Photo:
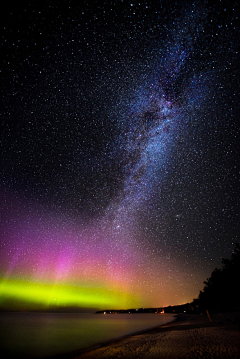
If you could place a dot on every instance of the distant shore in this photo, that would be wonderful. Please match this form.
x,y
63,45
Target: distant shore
x,y
191,336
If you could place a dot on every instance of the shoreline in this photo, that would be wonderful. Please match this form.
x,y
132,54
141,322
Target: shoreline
x,y
78,353
188,336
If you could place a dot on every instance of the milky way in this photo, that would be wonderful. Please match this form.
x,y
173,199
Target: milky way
x,y
120,174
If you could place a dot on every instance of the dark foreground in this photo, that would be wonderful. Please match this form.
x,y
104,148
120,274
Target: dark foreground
x,y
190,336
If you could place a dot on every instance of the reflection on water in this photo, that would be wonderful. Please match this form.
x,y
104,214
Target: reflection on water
x,y
40,335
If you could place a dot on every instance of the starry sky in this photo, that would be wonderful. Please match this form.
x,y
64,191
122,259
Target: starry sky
x,y
120,151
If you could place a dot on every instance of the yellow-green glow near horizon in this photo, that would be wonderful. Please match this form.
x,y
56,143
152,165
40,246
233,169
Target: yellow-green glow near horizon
x,y
49,295
120,160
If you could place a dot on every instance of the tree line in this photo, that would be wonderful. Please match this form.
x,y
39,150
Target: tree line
x,y
222,290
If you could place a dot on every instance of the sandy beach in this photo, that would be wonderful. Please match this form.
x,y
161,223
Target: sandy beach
x,y
190,336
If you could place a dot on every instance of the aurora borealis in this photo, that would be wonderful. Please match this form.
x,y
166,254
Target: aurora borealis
x,y
120,153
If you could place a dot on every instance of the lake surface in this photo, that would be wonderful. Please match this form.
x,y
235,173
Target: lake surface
x,y
41,335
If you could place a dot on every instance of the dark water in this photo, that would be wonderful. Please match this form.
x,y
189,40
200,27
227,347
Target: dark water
x,y
41,335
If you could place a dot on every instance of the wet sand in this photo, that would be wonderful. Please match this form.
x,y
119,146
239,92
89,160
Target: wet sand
x,y
190,336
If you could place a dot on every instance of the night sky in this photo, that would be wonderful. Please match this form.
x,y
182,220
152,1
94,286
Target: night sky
x,y
120,151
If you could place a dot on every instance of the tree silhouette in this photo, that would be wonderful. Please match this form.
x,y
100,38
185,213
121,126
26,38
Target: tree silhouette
x,y
222,289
